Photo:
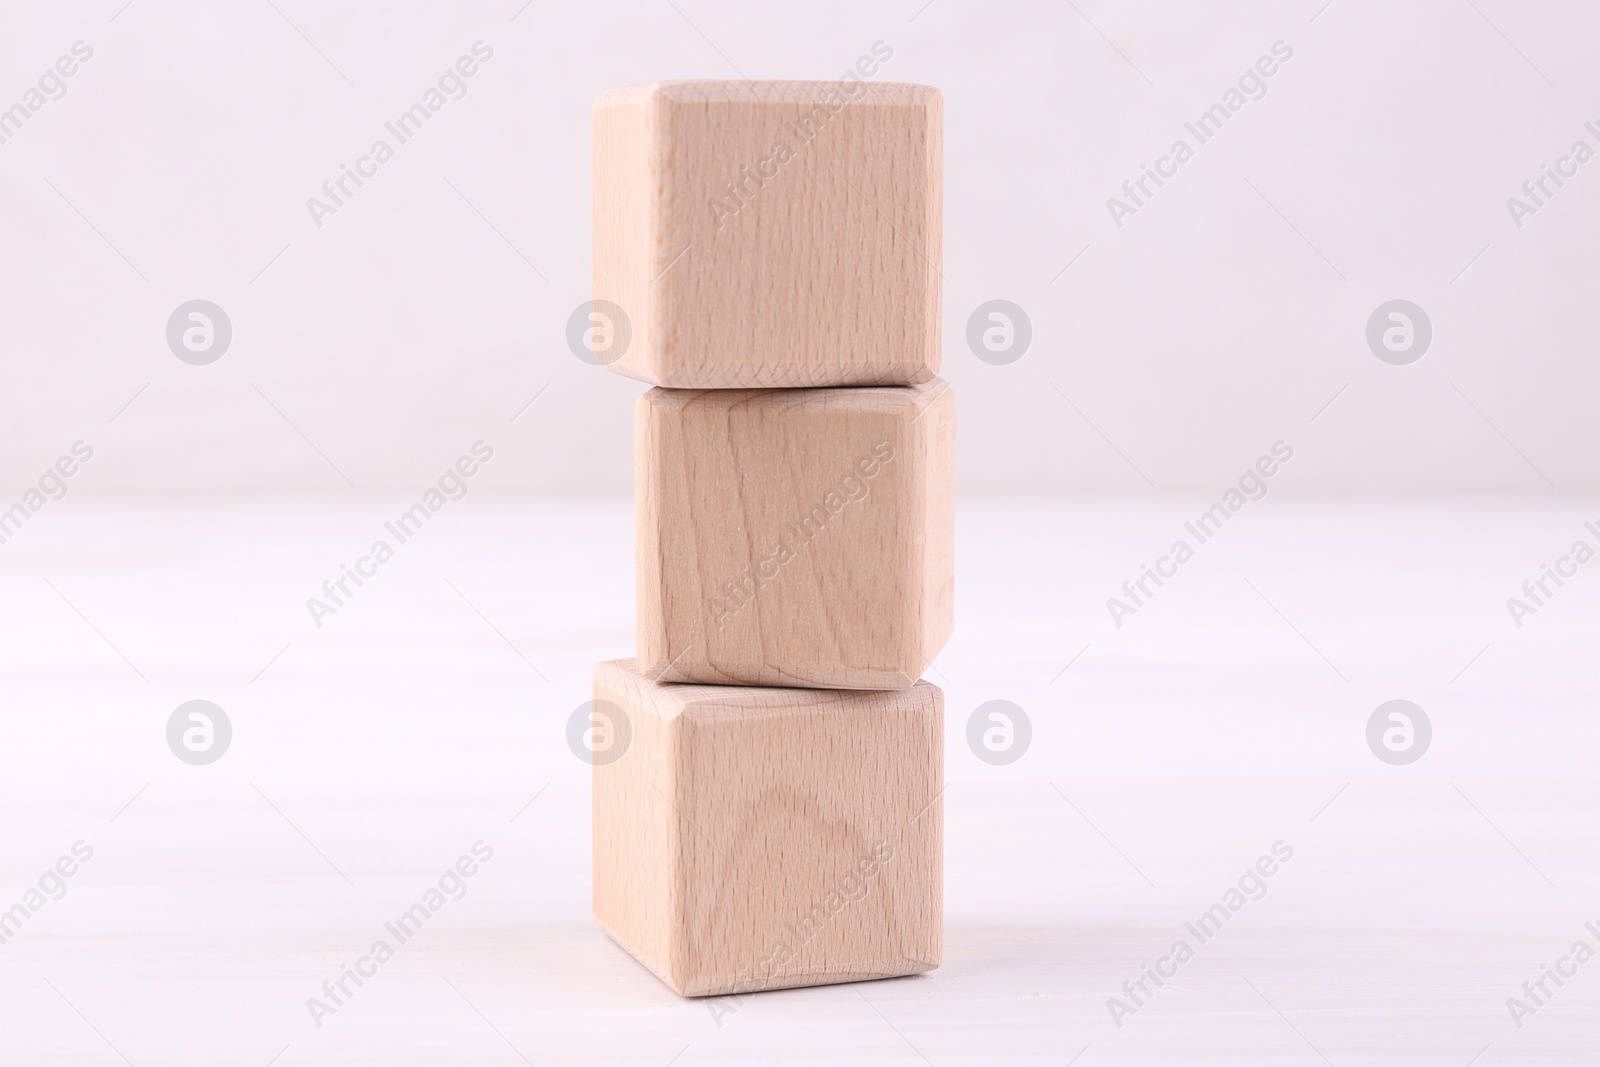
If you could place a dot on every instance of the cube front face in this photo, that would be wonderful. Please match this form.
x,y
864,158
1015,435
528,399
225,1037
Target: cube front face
x,y
766,838
771,234
795,537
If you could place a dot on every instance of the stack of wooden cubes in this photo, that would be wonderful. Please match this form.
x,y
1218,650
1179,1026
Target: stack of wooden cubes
x,y
772,252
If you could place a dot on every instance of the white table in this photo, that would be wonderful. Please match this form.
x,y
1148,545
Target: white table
x,y
1228,714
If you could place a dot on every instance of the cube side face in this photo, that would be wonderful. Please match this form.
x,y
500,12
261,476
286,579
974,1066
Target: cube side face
x,y
626,204
937,429
820,852
783,537
657,454
638,894
797,235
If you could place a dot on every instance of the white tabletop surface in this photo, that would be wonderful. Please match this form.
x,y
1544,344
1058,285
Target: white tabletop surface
x,y
1227,715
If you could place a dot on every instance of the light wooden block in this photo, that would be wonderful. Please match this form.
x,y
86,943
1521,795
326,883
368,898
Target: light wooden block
x,y
794,537
751,839
771,234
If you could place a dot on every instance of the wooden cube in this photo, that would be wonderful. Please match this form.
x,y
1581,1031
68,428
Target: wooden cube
x,y
771,234
794,537
751,839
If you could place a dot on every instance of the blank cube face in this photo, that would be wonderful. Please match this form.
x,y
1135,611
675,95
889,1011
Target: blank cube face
x,y
751,839
794,537
771,234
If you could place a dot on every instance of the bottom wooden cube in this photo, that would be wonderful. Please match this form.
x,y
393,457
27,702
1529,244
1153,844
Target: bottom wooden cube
x,y
749,839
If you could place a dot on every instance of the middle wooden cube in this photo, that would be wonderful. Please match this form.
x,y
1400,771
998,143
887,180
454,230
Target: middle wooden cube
x,y
795,537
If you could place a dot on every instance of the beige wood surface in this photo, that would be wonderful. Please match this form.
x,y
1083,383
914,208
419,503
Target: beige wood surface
x,y
771,234
751,839
797,537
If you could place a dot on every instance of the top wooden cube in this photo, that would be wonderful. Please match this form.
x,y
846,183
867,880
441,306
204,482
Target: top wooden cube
x,y
770,234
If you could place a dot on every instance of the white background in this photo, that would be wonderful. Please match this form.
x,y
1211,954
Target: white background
x,y
1195,335
1168,753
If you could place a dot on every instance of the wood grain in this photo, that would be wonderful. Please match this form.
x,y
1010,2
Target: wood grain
x,y
761,838
798,537
771,234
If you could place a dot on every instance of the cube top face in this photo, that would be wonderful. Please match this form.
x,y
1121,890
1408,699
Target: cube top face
x,y
795,537
771,234
755,839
